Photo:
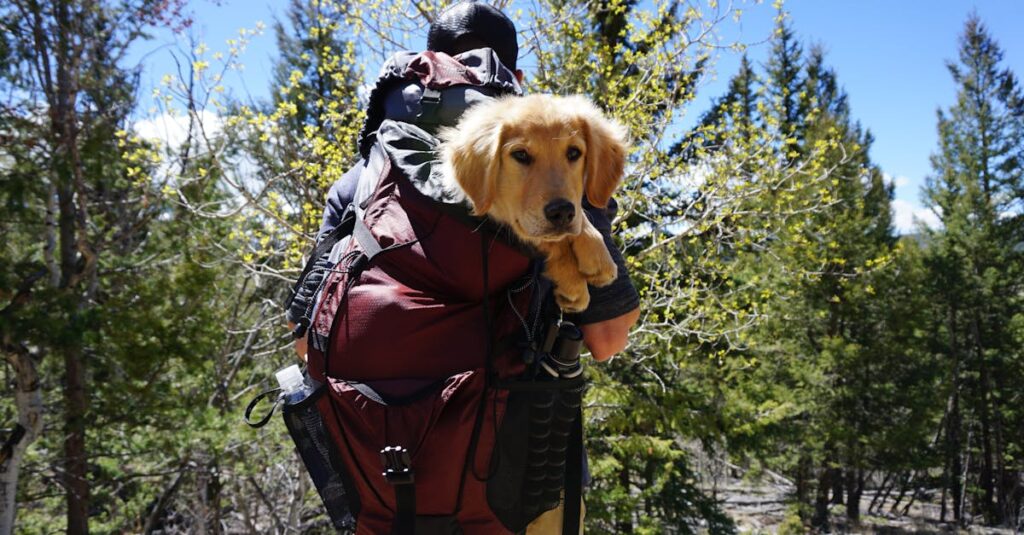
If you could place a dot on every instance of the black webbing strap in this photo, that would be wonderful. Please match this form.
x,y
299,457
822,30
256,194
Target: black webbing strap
x,y
387,400
405,503
398,472
573,478
256,424
366,240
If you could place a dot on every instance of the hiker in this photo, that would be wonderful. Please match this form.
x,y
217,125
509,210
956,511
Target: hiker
x,y
477,33
614,309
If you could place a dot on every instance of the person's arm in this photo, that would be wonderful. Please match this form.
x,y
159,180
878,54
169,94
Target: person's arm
x,y
606,338
615,308
300,343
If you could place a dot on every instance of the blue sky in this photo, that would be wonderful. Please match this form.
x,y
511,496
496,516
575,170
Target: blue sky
x,y
889,56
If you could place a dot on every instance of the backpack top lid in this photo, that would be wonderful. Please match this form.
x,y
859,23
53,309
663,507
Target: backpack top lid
x,y
432,89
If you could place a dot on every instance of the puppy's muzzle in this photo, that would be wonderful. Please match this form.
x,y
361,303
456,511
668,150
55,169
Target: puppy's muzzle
x,y
560,213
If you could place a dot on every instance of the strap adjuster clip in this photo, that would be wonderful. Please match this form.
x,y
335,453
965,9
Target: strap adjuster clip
x,y
430,96
397,465
430,101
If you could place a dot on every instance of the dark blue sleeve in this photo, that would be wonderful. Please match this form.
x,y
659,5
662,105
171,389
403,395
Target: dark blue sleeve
x,y
620,296
340,196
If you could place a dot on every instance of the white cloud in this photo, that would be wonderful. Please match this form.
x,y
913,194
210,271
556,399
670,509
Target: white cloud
x,y
171,130
907,216
897,181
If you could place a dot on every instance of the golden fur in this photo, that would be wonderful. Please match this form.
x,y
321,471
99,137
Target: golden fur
x,y
514,156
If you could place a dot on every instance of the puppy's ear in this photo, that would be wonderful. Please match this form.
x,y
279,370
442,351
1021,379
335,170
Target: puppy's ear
x,y
472,152
606,152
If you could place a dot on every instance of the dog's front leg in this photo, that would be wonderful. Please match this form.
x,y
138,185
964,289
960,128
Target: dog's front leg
x,y
560,268
595,263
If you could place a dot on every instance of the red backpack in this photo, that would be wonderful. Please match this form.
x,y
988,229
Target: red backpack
x,y
449,391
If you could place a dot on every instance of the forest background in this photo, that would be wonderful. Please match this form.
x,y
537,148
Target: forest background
x,y
788,331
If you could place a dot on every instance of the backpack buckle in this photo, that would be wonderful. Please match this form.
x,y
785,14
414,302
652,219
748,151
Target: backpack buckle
x,y
397,465
430,101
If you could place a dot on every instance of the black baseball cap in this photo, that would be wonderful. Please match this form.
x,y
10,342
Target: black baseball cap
x,y
468,25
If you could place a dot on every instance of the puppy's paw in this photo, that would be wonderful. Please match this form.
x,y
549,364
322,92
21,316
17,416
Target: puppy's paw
x,y
572,296
594,261
598,270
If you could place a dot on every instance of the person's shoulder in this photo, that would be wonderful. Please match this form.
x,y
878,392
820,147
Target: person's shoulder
x,y
602,217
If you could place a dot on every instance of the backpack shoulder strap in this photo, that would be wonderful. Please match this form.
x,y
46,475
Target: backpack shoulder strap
x,y
324,246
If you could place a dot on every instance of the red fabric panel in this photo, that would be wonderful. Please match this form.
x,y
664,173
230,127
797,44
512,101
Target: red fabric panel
x,y
437,430
438,70
416,312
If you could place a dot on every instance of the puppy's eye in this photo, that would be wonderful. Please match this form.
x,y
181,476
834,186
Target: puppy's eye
x,y
522,156
573,154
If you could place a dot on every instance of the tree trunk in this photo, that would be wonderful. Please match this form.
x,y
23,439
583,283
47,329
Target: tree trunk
x,y
821,501
156,516
29,402
77,259
955,464
964,464
854,488
837,486
625,525
904,484
803,476
985,477
1004,478
952,449
942,513
881,494
76,481
76,399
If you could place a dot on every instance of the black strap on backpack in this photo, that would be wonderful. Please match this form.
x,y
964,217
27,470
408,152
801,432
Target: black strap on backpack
x,y
399,473
573,478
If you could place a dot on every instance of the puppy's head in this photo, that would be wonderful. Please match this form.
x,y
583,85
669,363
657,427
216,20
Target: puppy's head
x,y
528,161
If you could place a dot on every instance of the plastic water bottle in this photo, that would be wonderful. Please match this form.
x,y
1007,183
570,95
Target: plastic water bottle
x,y
294,387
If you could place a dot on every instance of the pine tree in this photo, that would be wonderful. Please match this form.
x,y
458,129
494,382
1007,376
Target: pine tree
x,y
736,110
308,44
783,79
316,83
976,190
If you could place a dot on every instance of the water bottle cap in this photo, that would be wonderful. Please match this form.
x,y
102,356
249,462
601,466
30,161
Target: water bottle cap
x,y
290,379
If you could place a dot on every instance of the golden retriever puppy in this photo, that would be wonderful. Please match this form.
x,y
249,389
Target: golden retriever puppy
x,y
526,162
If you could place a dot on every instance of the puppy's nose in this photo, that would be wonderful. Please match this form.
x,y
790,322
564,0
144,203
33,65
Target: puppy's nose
x,y
560,212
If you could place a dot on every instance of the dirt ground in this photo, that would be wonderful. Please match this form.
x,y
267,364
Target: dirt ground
x,y
759,505
760,508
